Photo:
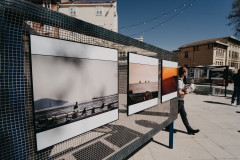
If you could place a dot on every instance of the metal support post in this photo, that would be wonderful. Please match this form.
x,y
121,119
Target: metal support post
x,y
171,135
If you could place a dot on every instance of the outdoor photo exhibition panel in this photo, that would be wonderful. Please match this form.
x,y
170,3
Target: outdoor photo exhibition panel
x,y
169,80
218,73
75,88
142,82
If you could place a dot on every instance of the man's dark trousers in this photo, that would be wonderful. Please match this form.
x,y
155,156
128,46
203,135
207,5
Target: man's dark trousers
x,y
236,92
183,114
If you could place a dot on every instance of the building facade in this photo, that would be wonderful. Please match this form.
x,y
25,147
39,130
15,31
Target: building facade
x,y
218,52
100,13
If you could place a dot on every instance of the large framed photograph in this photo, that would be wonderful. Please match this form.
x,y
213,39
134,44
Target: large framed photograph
x,y
75,88
190,73
201,73
142,82
169,80
218,73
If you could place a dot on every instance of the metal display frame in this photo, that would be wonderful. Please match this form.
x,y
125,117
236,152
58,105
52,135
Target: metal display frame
x,y
17,131
65,57
128,82
210,83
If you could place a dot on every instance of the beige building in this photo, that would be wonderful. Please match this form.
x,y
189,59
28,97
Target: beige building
x,y
101,13
218,52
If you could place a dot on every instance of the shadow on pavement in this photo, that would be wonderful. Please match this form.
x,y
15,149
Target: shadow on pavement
x,y
176,131
149,113
122,110
146,123
237,111
181,131
164,145
217,103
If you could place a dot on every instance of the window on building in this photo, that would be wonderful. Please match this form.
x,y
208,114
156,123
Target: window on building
x,y
195,48
73,11
47,4
186,54
185,65
99,11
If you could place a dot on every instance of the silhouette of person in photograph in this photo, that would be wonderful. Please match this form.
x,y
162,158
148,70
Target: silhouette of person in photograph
x,y
75,114
93,109
102,106
84,112
131,99
147,96
76,106
109,106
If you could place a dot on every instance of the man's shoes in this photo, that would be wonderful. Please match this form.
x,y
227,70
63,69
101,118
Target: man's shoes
x,y
193,131
232,104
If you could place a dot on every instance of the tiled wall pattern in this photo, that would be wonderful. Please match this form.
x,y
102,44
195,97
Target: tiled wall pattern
x,y
19,19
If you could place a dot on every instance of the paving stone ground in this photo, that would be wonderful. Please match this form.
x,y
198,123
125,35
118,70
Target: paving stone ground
x,y
218,139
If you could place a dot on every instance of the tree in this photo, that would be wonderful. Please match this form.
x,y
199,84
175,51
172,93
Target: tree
x,y
234,17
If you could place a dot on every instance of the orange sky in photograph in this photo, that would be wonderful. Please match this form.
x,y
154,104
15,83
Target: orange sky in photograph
x,y
169,72
140,72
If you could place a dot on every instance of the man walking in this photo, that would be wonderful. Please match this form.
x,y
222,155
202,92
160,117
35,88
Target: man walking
x,y
181,109
236,92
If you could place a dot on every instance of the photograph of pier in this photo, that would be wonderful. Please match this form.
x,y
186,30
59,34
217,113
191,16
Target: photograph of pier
x,y
143,83
169,80
67,89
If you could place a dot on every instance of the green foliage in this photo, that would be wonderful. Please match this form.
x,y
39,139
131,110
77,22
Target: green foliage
x,y
234,17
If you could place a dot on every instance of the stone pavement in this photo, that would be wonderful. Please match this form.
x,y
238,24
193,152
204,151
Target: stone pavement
x,y
219,123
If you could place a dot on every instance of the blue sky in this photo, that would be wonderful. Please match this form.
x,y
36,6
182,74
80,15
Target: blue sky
x,y
205,19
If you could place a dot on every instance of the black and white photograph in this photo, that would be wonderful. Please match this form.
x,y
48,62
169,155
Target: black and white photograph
x,y
201,73
190,73
218,73
70,90
143,83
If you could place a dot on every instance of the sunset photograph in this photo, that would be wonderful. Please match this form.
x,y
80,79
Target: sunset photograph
x,y
169,80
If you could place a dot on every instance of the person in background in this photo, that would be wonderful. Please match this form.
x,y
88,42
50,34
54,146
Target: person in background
x,y
181,109
75,106
236,92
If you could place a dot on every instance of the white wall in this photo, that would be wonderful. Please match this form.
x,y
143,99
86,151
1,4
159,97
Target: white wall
x,y
87,12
